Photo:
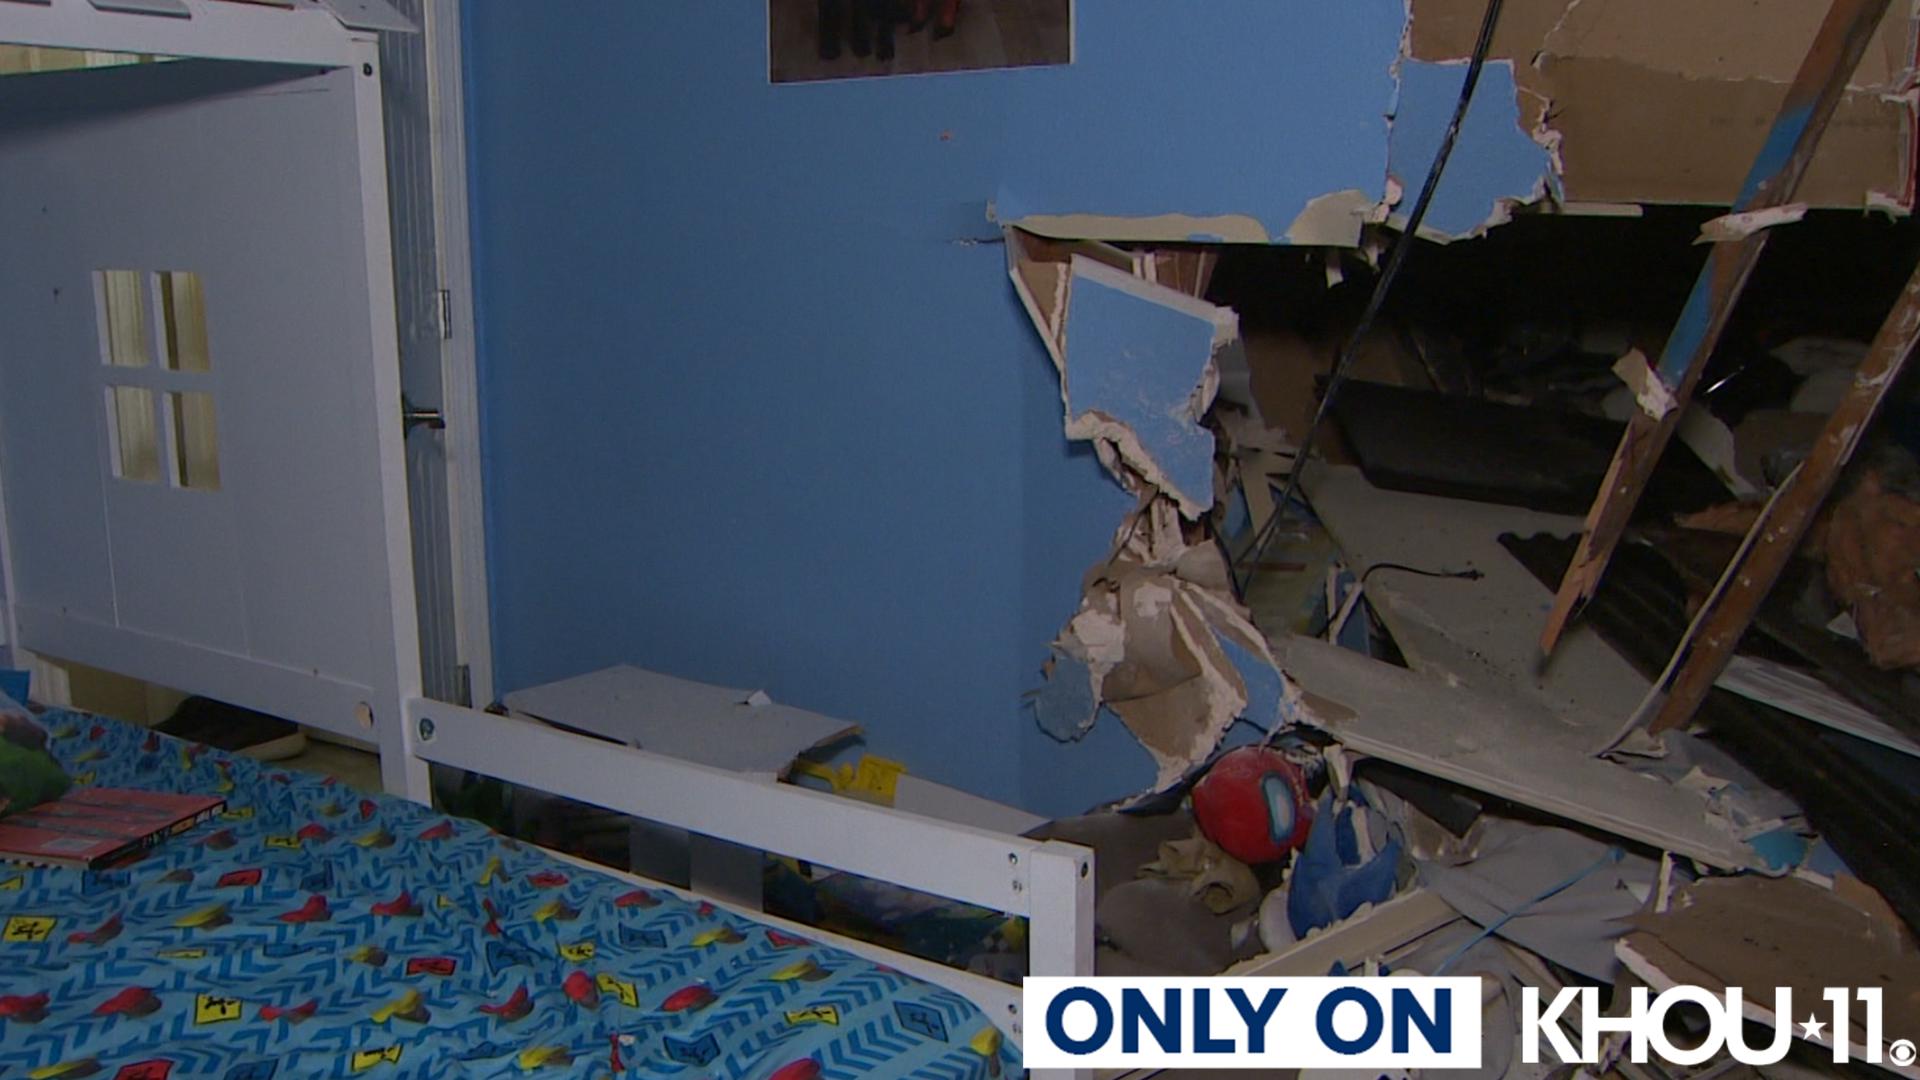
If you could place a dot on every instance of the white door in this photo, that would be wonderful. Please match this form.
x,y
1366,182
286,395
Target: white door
x,y
199,409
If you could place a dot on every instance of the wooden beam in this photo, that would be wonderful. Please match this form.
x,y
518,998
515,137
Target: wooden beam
x,y
1709,642
1772,181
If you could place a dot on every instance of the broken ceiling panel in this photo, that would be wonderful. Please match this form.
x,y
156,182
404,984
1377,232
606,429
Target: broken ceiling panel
x,y
1653,102
1498,163
1706,134
1500,744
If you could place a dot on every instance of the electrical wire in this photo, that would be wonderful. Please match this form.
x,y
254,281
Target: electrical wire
x,y
1401,248
1469,574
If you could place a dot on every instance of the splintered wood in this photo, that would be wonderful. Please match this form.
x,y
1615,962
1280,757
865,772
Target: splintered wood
x,y
1772,182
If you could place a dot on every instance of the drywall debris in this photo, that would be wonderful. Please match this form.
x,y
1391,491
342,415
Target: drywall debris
x,y
1158,639
1212,876
1138,362
1500,744
1334,219
1753,932
1655,397
1653,103
1507,864
1744,224
1159,642
1783,687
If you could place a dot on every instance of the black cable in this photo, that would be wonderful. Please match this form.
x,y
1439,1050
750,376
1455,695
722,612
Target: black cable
x,y
1469,574
1401,248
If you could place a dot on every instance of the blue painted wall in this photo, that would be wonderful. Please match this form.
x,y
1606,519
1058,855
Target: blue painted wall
x,y
1494,157
759,405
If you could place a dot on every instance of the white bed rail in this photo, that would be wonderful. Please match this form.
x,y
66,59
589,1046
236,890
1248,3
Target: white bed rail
x,y
1047,881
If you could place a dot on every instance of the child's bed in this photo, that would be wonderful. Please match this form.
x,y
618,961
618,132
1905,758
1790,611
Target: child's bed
x,y
314,931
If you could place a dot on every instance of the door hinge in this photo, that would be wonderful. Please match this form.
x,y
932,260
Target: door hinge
x,y
444,304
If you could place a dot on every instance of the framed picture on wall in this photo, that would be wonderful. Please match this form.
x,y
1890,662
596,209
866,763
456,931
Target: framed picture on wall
x,y
812,40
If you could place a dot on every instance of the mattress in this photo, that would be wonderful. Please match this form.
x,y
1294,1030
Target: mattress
x,y
313,931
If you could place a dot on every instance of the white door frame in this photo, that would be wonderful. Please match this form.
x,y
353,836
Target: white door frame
x,y
460,375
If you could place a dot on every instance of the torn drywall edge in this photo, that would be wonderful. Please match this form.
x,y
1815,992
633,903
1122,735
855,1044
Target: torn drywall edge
x,y
1335,219
1181,724
1495,158
1159,228
1042,289
1126,332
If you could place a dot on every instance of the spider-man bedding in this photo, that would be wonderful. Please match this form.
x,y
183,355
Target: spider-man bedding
x,y
310,931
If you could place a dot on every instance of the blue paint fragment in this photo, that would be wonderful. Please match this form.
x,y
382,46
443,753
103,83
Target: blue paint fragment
x,y
1262,680
1822,859
1493,159
1781,848
1239,517
1773,155
1138,362
1206,238
1064,705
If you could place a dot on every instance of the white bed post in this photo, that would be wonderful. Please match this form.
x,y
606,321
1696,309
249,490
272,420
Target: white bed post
x,y
1059,923
401,772
460,382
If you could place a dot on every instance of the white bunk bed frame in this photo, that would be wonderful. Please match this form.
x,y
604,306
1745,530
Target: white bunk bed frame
x,y
1047,882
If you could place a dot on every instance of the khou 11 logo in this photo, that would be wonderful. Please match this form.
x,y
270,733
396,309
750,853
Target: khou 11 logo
x,y
1645,1025
1247,1023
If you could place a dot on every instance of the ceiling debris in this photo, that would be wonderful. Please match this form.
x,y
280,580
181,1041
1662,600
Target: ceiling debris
x,y
1766,935
1335,219
1640,101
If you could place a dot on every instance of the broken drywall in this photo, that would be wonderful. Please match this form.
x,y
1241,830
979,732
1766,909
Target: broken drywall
x,y
1335,219
1157,640
1156,228
1138,362
1645,101
1137,373
1495,163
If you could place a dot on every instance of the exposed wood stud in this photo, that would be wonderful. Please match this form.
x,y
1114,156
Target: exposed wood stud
x,y
1772,181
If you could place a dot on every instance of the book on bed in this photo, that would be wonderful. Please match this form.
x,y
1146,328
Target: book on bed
x,y
89,827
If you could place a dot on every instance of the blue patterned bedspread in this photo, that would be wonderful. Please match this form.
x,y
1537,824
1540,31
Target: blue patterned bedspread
x,y
311,931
